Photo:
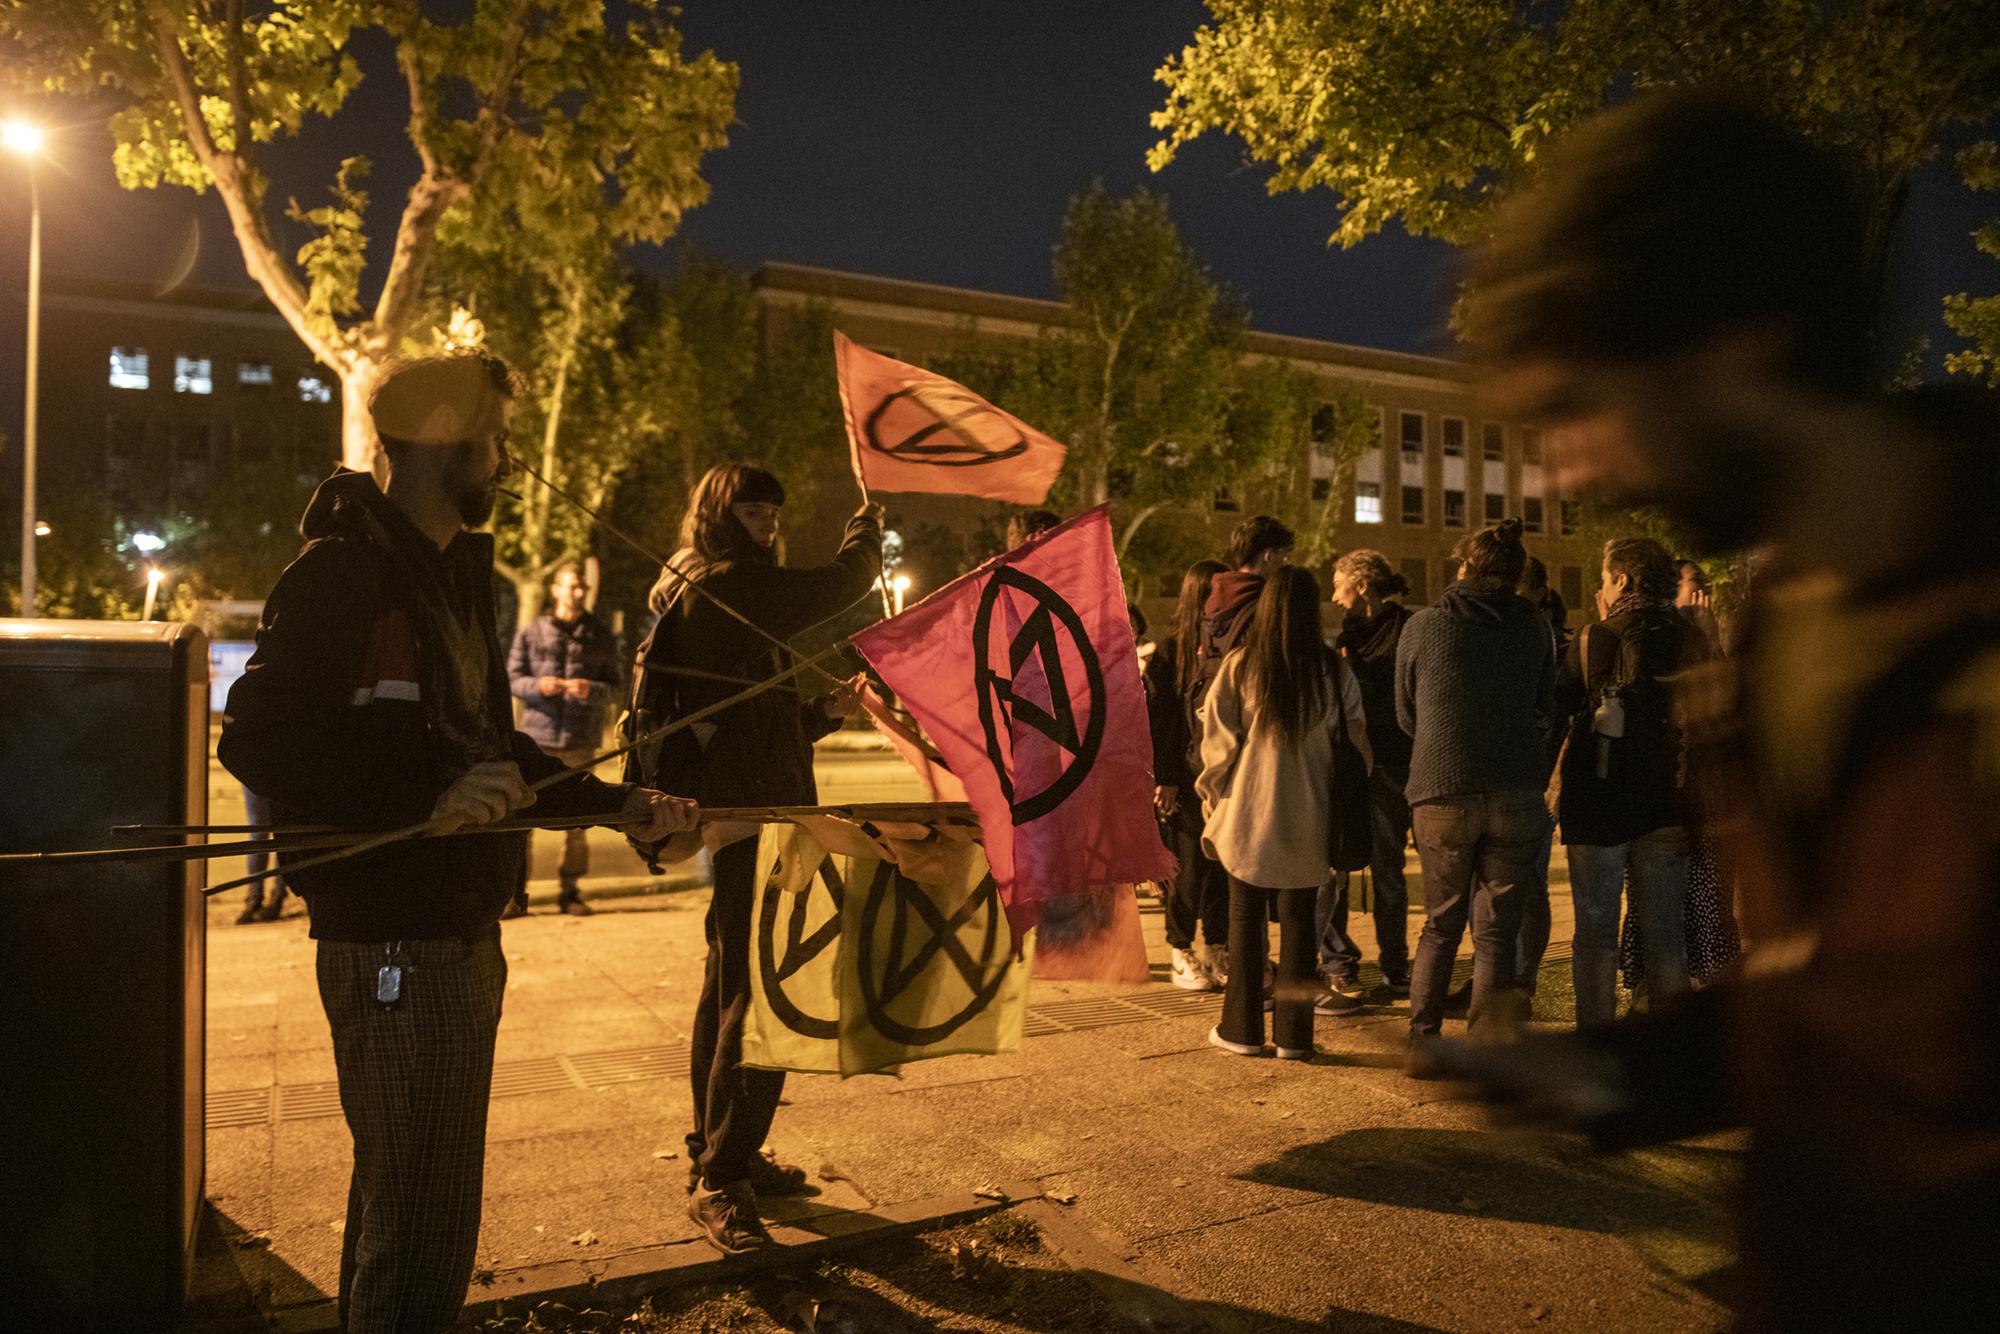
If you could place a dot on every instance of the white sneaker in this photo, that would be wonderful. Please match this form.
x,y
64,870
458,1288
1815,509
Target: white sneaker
x,y
1188,973
1215,1039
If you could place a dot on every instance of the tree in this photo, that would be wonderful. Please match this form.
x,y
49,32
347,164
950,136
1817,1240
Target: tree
x,y
1977,319
207,89
1425,111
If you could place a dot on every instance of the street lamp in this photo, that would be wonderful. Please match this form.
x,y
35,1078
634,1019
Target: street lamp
x,y
25,141
154,574
901,583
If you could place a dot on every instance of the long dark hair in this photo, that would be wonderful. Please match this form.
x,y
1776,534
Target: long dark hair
x,y
1195,584
708,526
1285,660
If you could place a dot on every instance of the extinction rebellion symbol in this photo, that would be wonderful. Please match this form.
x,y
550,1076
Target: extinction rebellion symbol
x,y
942,425
889,971
1001,706
800,948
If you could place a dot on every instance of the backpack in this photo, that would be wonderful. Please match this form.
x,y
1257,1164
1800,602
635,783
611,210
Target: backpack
x,y
1629,726
654,701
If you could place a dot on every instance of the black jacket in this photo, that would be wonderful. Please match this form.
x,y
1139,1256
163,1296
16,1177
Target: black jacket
x,y
758,752
1640,790
1167,717
377,681
1370,646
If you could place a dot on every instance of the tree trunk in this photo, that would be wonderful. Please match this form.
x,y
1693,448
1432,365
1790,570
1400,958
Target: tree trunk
x,y
359,449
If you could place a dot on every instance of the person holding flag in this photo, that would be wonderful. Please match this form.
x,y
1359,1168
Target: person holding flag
x,y
756,753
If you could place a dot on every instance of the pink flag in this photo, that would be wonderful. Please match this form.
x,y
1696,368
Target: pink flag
x,y
910,430
938,780
1024,675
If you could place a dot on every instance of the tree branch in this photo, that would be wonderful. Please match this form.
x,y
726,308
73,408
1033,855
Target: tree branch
x,y
242,196
239,94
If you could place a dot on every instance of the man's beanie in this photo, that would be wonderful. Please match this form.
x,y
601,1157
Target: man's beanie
x,y
441,400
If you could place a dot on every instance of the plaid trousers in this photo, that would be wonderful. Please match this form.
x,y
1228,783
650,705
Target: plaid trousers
x,y
414,1083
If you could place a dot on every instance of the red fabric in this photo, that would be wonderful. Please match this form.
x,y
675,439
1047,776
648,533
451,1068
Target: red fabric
x,y
1061,779
910,430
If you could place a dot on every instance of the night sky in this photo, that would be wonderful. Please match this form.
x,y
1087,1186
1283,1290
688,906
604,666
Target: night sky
x,y
929,141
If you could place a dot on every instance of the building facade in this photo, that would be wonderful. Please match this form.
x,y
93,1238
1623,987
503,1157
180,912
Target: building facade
x,y
1437,469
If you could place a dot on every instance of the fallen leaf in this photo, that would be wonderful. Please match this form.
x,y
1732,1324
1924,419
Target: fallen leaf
x,y
802,1307
828,1172
1259,1102
665,1153
251,1243
1286,1116
1090,1136
1060,1196
1179,1182
969,1261
585,1238
540,1228
338,1225
989,1192
1538,1312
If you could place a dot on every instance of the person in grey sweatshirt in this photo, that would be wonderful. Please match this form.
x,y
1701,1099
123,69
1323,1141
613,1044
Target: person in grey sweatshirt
x,y
1475,678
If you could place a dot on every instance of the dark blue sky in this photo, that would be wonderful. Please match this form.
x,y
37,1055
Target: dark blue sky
x,y
928,141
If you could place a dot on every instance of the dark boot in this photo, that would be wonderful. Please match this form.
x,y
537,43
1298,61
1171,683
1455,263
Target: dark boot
x,y
728,1218
570,901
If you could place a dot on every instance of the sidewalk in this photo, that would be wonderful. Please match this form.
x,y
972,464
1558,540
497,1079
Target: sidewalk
x,y
1337,1191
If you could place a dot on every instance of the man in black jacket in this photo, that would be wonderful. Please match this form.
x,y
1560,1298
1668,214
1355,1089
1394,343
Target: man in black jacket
x,y
377,698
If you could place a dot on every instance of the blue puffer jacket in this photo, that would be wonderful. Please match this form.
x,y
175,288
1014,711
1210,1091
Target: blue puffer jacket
x,y
582,650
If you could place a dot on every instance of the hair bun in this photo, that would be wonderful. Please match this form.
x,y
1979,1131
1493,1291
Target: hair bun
x,y
1394,586
1508,531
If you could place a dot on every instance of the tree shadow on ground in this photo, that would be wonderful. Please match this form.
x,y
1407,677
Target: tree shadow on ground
x,y
238,1280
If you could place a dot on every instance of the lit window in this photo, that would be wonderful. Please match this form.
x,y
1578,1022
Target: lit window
x,y
1566,516
1224,502
193,375
1368,502
1496,507
312,389
1531,513
130,368
253,372
1413,504
1454,509
1495,441
1453,433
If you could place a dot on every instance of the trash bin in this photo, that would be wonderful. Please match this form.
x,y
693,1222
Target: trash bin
x,y
101,723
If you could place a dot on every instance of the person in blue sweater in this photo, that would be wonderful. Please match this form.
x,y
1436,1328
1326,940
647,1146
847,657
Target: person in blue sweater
x,y
1475,679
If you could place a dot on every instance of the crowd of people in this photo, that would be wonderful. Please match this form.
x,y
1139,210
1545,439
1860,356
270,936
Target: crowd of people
x,y
1481,725
1684,296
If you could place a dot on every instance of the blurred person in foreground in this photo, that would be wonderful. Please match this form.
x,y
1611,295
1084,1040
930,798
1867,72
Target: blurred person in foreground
x,y
1685,299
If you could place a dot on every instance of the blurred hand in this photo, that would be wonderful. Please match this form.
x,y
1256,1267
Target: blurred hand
x,y
485,793
550,686
1166,800
839,704
651,816
577,689
872,512
1694,597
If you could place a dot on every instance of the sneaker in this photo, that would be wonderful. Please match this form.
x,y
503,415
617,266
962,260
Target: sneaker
x,y
1189,975
1420,1060
767,1176
576,907
1338,1005
1215,962
1397,985
271,912
1215,1039
728,1218
1295,1053
1345,986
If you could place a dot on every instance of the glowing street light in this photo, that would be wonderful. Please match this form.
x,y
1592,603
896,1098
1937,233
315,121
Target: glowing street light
x,y
42,528
147,542
901,583
24,140
154,574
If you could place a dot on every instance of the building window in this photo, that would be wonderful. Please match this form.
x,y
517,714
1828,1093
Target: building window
x,y
191,456
1494,442
1452,431
193,375
312,389
1531,448
1496,507
253,442
254,374
1322,424
1531,513
124,455
1413,433
1566,517
1454,509
1570,585
1224,502
130,368
1416,571
1368,502
1413,504
1322,488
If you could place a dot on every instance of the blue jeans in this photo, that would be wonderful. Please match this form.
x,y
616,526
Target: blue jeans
x,y
1534,940
1658,863
1478,853
1389,828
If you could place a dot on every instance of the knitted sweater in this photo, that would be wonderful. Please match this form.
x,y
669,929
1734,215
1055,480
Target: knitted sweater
x,y
1475,676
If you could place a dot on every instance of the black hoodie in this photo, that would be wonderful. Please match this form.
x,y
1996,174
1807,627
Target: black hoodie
x,y
378,679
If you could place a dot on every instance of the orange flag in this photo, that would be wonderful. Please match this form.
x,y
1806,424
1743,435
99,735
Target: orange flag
x,y
910,430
